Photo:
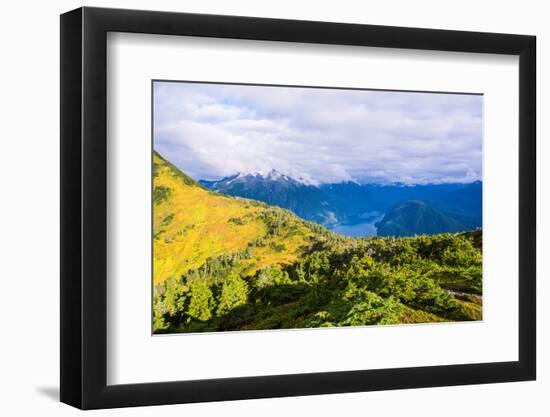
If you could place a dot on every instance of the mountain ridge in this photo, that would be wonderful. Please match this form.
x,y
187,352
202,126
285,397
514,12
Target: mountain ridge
x,y
347,203
275,188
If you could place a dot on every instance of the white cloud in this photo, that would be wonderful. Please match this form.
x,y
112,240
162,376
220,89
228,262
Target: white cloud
x,y
325,135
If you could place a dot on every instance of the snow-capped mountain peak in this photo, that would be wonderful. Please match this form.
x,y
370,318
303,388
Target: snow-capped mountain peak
x,y
274,175
271,175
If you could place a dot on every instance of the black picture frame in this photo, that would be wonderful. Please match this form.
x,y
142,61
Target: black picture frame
x,y
84,207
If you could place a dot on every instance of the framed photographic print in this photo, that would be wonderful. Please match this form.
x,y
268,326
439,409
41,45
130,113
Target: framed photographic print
x,y
291,208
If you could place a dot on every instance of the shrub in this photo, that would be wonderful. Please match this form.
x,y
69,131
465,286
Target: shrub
x,y
161,193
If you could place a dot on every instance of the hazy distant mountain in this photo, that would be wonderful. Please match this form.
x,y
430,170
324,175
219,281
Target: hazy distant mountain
x,y
467,199
464,198
349,203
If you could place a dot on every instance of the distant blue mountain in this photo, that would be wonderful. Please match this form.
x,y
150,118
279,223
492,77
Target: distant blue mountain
x,y
452,206
467,199
464,198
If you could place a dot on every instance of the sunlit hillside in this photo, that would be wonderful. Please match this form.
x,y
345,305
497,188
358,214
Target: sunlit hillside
x,y
192,224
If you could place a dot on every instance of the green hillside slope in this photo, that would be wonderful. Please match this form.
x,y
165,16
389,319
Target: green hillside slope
x,y
192,224
415,217
224,263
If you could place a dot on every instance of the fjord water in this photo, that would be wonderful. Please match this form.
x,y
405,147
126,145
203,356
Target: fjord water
x,y
363,229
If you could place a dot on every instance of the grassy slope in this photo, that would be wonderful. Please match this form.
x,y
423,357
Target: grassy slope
x,y
192,224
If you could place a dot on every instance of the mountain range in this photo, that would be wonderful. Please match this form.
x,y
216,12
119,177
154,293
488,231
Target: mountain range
x,y
445,207
307,201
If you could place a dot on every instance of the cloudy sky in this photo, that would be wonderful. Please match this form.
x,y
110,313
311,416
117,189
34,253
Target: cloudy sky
x,y
320,135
